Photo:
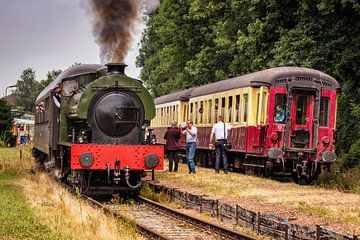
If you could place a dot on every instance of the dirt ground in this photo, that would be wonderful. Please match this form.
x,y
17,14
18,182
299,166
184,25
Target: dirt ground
x,y
303,205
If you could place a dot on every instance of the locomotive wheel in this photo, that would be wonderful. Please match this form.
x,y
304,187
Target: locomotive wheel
x,y
268,172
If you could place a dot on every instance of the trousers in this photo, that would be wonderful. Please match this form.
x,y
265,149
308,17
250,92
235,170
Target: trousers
x,y
220,152
190,155
173,158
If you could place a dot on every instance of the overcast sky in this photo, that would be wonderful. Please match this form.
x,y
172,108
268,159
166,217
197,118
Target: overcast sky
x,y
46,35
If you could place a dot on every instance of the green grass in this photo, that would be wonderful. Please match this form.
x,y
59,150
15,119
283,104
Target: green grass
x,y
16,218
353,218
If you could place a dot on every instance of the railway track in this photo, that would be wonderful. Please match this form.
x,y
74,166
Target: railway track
x,y
157,221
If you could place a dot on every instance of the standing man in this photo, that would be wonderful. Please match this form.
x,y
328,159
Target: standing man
x,y
220,131
191,136
172,137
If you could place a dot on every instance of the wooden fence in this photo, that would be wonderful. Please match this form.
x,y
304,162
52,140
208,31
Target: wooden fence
x,y
260,222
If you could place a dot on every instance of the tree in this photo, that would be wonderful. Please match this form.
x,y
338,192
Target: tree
x,y
5,116
189,43
28,88
5,122
50,76
26,91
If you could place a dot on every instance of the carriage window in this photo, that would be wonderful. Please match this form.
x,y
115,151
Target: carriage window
x,y
280,106
191,112
237,108
162,116
167,116
216,108
301,110
230,109
158,117
258,107
210,111
174,113
223,107
245,106
196,114
324,111
263,108
184,114
47,112
201,111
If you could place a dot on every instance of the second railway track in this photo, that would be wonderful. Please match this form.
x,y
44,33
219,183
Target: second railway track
x,y
157,221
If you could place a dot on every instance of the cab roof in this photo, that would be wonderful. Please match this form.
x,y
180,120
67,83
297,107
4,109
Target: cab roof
x,y
74,71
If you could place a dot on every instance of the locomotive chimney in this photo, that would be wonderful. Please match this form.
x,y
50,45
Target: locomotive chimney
x,y
116,68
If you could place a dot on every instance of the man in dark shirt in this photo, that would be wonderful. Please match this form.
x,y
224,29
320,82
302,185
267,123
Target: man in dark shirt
x,y
172,137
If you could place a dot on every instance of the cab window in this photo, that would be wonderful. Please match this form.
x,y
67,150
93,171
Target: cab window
x,y
324,111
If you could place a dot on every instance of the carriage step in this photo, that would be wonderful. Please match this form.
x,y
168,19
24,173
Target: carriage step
x,y
253,165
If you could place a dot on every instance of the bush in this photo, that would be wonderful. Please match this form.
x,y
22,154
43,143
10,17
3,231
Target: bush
x,y
7,139
345,180
352,159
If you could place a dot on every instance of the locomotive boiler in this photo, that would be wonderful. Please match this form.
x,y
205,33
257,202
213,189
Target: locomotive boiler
x,y
90,129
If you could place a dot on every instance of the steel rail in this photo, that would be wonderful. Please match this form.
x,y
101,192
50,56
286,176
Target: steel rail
x,y
225,233
152,234
206,225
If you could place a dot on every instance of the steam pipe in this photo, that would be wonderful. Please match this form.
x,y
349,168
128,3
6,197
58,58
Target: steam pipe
x,y
127,178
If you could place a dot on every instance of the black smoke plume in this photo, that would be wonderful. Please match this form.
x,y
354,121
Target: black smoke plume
x,y
113,26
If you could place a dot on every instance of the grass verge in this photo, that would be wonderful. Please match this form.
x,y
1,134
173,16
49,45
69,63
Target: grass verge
x,y
37,207
17,219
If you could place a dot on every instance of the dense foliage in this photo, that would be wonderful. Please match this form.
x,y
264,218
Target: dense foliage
x,y
192,42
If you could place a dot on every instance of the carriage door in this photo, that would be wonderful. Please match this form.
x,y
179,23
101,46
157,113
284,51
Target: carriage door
x,y
301,121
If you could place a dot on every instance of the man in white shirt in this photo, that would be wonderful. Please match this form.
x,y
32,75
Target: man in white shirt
x,y
220,130
191,136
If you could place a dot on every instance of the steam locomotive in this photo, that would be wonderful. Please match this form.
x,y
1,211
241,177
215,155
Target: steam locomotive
x,y
283,120
90,129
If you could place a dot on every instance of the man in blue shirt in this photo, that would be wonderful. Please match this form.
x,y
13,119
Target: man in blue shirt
x,y
191,136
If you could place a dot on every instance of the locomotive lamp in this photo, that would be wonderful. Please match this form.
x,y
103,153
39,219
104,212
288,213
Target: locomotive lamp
x,y
328,156
151,160
274,136
325,140
275,153
86,159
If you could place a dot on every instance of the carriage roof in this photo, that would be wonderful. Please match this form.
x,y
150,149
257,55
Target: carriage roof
x,y
266,77
177,96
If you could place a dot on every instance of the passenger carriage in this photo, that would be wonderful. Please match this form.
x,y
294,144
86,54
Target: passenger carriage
x,y
299,144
